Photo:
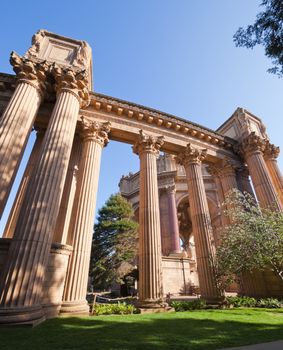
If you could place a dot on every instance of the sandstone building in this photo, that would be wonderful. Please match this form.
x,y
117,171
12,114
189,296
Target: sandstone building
x,y
45,249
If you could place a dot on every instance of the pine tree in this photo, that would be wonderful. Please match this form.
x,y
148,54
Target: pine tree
x,y
114,247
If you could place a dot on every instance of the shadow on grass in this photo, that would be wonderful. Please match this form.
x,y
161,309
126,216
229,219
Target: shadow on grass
x,y
174,331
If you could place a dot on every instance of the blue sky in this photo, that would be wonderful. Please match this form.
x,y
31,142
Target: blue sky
x,y
175,56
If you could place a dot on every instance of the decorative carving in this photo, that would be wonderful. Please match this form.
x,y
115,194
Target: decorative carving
x,y
31,72
94,131
271,151
72,80
222,169
83,55
148,143
36,42
191,155
253,143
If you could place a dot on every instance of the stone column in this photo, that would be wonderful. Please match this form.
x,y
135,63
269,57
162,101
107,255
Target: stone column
x,y
95,137
13,217
244,180
150,273
21,280
173,220
61,232
192,158
17,120
270,155
253,147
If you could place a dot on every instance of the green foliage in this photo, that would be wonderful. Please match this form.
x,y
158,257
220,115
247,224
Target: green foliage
x,y
114,243
113,309
242,301
266,31
188,305
268,303
253,240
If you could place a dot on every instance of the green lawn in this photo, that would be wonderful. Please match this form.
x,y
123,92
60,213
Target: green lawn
x,y
209,329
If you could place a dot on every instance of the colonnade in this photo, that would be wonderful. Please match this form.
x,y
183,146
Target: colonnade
x,y
56,200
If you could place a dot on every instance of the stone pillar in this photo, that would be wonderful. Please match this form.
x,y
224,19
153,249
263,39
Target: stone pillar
x,y
271,153
253,147
173,220
150,273
21,280
61,232
17,120
95,137
13,217
243,176
192,158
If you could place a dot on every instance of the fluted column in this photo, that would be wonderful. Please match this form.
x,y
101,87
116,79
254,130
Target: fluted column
x,y
192,158
253,147
21,280
271,154
17,120
95,137
150,273
173,220
13,217
244,180
61,232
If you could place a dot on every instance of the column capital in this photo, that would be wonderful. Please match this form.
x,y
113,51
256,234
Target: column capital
x,y
271,151
191,155
72,80
94,131
171,188
253,144
148,143
224,168
30,72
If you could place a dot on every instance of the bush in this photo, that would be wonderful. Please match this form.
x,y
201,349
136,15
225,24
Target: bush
x,y
242,301
113,309
188,305
269,303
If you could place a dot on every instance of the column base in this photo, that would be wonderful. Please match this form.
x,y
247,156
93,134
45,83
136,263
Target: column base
x,y
213,300
21,316
51,310
74,308
178,254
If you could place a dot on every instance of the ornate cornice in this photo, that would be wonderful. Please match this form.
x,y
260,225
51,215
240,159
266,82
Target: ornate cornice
x,y
271,152
72,80
253,144
94,131
191,155
31,72
148,143
163,120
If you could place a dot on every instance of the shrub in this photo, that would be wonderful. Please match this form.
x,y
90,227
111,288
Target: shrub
x,y
113,309
188,305
242,301
269,303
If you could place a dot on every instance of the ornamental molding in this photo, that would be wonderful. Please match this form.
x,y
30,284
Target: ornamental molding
x,y
163,120
223,168
191,155
148,144
94,131
253,144
271,152
30,72
73,80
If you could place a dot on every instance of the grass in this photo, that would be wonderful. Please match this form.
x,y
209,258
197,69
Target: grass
x,y
201,330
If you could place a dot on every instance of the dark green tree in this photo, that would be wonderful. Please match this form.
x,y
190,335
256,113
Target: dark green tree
x,y
114,248
266,31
